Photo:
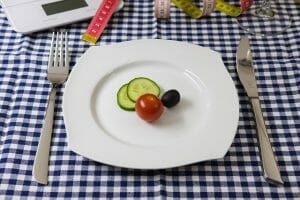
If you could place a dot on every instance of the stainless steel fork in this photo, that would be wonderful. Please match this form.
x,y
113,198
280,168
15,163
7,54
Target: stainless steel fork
x,y
58,70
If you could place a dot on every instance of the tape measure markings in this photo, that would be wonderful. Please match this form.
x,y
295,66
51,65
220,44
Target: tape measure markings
x,y
228,9
194,11
162,8
100,20
208,7
189,8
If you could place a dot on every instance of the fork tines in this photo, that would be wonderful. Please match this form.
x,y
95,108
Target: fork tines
x,y
59,48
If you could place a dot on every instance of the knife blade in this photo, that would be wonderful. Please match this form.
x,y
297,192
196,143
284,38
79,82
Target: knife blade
x,y
246,75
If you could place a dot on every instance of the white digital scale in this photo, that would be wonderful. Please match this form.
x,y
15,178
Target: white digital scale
x,y
28,16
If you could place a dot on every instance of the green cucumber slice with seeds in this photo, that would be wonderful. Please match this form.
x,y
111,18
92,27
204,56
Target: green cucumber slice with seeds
x,y
123,101
140,86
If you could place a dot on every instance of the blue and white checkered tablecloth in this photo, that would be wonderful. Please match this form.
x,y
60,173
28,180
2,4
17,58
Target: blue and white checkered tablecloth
x,y
24,90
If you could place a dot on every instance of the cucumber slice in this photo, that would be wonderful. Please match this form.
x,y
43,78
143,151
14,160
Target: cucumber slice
x,y
141,85
123,101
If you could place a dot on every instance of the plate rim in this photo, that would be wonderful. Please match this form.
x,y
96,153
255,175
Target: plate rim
x,y
82,151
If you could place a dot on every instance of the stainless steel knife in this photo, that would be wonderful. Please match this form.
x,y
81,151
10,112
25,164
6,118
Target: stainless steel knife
x,y
246,74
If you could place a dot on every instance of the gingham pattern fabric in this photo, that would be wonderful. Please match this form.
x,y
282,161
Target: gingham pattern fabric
x,y
24,90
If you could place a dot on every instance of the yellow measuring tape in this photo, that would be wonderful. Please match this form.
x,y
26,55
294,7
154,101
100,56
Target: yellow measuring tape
x,y
232,10
191,9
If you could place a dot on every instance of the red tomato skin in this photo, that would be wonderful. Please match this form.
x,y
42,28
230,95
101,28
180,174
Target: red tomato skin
x,y
149,107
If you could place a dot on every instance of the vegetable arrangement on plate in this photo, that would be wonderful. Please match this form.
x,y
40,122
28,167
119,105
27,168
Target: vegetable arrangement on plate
x,y
142,95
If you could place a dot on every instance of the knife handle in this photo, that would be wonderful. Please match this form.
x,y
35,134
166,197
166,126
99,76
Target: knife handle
x,y
269,165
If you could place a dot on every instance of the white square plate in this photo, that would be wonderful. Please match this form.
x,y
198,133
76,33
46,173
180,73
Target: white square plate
x,y
201,127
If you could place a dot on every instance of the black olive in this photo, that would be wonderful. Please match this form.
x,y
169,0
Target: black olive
x,y
170,98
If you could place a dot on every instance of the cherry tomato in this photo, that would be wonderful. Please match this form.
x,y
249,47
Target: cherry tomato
x,y
149,107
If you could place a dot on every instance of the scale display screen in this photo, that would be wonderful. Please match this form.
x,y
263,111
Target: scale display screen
x,y
63,6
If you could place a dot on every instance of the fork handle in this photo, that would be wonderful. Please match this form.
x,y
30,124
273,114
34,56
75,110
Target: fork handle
x,y
40,165
269,165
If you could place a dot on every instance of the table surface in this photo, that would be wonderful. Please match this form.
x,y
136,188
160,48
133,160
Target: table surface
x,y
24,91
